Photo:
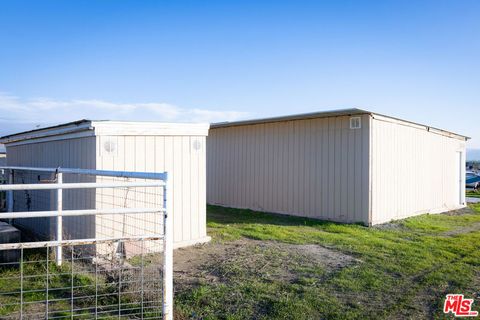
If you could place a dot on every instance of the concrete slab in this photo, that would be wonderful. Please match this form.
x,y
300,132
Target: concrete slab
x,y
473,200
9,234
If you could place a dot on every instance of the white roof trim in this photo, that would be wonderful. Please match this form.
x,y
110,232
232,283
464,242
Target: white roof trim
x,y
121,128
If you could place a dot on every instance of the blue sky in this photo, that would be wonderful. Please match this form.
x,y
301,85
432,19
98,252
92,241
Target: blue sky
x,y
227,60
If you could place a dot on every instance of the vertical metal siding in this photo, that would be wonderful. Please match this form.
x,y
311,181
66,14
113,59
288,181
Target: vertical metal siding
x,y
316,168
413,171
174,154
75,153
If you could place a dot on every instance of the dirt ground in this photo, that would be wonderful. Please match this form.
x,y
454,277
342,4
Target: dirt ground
x,y
212,262
466,210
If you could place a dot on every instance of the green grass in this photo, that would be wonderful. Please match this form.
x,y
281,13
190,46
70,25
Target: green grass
x,y
400,272
60,281
473,194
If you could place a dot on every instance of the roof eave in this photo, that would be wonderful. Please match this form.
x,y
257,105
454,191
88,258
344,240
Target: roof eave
x,y
97,128
303,116
64,129
427,127
333,113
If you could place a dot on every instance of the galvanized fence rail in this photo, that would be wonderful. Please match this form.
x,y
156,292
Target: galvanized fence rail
x,y
108,270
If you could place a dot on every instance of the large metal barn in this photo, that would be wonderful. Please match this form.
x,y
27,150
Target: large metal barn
x,y
347,165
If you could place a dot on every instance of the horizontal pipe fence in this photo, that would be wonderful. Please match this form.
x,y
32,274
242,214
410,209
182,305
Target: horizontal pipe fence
x,y
103,260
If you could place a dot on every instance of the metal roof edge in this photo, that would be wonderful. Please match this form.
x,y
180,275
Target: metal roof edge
x,y
301,116
57,130
326,114
427,127
105,127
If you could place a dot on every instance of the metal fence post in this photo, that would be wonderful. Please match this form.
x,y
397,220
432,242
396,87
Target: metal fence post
x,y
59,219
168,249
9,195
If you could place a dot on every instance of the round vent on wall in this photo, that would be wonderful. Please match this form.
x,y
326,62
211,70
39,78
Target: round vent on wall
x,y
196,145
109,147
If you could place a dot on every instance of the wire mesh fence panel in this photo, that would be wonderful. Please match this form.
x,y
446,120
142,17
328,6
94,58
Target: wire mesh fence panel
x,y
85,286
110,238
128,224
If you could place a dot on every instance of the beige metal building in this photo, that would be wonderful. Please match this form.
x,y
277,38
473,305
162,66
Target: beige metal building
x,y
3,155
347,166
125,146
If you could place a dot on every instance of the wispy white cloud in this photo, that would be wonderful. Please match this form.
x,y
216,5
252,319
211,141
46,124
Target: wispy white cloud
x,y
24,114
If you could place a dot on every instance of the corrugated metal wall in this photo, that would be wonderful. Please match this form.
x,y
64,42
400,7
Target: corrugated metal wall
x,y
3,159
413,170
184,157
72,153
316,168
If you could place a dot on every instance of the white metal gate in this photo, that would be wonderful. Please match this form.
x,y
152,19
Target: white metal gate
x,y
101,251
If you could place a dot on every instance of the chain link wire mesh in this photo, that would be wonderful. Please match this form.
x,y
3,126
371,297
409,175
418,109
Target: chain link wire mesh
x,y
117,278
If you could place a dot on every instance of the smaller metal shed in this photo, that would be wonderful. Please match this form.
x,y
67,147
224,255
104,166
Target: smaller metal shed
x,y
3,155
178,148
